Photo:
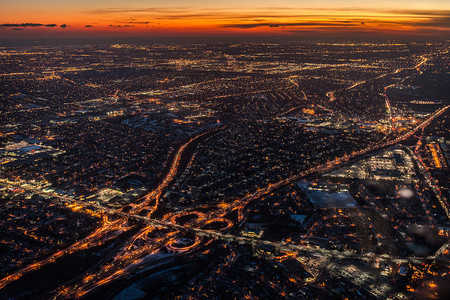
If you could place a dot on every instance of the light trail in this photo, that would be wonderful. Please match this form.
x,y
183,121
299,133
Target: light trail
x,y
105,227
331,94
239,204
428,179
168,179
87,242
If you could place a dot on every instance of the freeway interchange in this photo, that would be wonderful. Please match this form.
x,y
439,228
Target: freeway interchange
x,y
132,258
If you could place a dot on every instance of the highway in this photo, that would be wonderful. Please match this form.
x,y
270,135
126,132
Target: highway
x,y
133,257
426,174
155,195
238,203
331,94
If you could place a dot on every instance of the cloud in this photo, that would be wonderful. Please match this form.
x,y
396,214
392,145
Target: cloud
x,y
416,21
11,25
435,22
276,18
412,12
139,10
297,24
21,26
132,21
288,16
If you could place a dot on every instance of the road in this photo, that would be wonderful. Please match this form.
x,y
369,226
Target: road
x,y
331,94
243,202
112,271
426,174
151,200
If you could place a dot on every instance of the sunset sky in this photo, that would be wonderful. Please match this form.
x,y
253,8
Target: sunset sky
x,y
330,18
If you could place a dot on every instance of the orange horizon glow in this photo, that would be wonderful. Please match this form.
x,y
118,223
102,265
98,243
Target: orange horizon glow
x,y
140,20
